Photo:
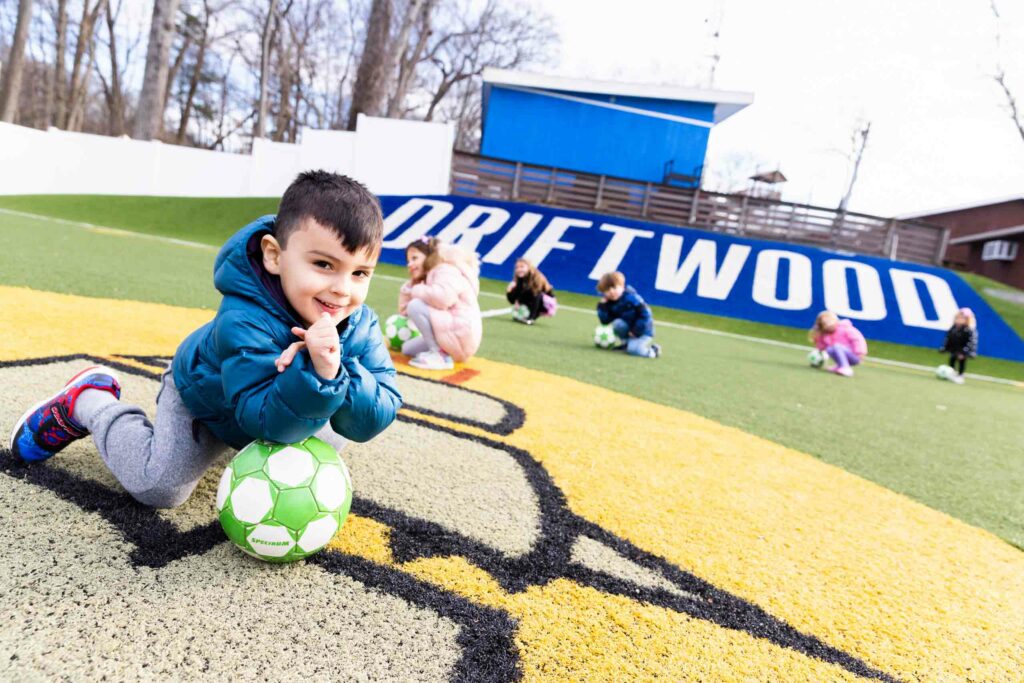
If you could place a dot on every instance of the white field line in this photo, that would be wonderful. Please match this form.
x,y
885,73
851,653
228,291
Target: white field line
x,y
103,230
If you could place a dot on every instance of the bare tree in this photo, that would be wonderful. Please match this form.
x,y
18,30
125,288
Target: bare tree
x,y
10,79
1000,76
373,78
149,116
56,82
266,42
112,79
501,36
408,56
858,143
81,70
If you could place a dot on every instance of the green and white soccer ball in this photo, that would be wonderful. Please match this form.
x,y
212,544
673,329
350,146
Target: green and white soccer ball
x,y
605,337
521,312
284,502
945,372
817,358
398,329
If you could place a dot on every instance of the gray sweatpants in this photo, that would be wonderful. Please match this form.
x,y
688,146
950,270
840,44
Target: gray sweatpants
x,y
160,465
419,312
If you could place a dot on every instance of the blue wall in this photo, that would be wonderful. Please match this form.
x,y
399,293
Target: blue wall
x,y
695,270
549,131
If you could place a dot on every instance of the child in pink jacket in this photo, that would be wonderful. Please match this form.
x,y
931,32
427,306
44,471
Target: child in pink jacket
x,y
441,299
843,342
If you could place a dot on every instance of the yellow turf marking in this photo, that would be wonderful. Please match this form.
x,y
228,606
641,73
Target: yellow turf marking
x,y
907,589
42,324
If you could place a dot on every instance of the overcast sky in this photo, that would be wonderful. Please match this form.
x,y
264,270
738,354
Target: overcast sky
x,y
919,70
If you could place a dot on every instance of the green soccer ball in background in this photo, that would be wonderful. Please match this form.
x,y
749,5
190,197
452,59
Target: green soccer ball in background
x,y
605,337
398,329
521,312
817,358
284,502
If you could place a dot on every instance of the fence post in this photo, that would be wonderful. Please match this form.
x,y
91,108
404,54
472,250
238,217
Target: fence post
x,y
743,215
600,193
941,251
890,235
694,200
647,201
515,180
551,186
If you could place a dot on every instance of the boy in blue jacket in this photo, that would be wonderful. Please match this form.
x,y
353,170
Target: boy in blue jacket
x,y
628,314
293,351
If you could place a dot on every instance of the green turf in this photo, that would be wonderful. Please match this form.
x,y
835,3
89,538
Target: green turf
x,y
957,449
1011,311
211,221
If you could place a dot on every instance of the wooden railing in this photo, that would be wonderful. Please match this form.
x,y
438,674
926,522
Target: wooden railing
x,y
477,176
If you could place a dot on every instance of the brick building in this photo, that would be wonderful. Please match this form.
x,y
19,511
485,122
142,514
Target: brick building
x,y
985,238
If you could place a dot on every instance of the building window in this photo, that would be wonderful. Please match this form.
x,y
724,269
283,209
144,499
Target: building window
x,y
999,250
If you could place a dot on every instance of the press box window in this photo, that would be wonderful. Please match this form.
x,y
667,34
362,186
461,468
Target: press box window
x,y
999,250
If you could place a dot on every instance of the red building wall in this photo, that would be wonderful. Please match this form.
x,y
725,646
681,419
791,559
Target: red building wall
x,y
977,219
1008,272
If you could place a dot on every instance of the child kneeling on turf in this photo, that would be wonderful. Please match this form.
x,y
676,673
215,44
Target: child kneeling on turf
x,y
243,376
628,314
531,290
441,299
961,342
843,342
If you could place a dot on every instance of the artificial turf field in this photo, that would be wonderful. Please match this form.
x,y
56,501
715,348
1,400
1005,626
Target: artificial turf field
x,y
549,511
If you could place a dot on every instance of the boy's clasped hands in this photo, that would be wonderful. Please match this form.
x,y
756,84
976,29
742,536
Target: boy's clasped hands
x,y
323,344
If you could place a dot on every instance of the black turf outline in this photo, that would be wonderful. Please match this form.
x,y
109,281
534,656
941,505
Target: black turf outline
x,y
413,538
486,635
515,417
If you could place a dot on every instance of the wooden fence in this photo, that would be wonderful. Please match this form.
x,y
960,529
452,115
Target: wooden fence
x,y
477,176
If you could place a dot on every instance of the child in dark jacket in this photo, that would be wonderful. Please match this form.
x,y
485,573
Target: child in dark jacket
x,y
961,342
628,314
526,292
293,351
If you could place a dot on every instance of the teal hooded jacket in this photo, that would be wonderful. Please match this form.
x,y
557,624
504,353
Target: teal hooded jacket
x,y
226,375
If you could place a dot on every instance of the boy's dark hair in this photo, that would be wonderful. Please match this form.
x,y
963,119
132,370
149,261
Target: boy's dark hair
x,y
336,202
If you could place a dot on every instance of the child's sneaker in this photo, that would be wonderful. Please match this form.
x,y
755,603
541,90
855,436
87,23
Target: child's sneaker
x,y
46,428
958,379
844,371
432,360
655,350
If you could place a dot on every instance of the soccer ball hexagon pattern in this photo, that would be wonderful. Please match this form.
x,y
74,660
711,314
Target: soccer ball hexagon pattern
x,y
605,337
817,358
284,502
398,329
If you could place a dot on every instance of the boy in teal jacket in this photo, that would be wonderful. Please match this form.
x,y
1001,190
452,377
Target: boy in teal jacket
x,y
293,351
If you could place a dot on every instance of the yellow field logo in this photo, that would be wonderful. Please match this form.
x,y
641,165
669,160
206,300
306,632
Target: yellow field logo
x,y
553,530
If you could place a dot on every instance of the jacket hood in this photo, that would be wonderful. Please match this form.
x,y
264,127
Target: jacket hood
x,y
233,273
465,261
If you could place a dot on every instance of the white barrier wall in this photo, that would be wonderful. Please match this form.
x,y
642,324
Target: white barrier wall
x,y
391,156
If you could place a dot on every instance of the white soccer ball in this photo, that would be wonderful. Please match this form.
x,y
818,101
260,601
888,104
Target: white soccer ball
x,y
945,372
605,337
817,358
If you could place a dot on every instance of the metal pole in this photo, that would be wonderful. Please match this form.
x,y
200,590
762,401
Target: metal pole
x,y
551,186
515,180
600,192
943,243
647,201
694,200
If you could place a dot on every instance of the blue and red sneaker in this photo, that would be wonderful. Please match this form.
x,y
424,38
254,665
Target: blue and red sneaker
x,y
46,428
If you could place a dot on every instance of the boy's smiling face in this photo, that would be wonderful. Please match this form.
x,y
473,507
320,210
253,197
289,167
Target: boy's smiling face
x,y
319,275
